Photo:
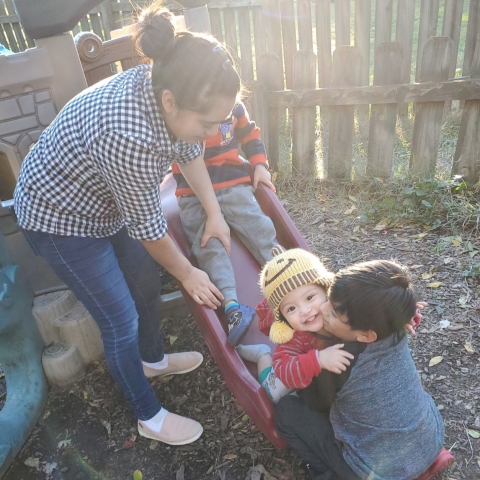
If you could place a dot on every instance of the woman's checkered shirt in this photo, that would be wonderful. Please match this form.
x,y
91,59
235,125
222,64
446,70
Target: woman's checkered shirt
x,y
99,165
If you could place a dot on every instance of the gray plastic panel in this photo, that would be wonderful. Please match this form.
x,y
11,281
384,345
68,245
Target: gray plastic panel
x,y
46,18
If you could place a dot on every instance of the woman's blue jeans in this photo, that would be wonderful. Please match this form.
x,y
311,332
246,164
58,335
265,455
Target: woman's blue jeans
x,y
119,284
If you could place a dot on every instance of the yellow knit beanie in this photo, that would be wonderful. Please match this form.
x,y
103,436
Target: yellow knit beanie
x,y
287,271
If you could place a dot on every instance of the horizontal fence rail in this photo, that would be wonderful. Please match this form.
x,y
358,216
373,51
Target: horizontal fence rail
x,y
365,59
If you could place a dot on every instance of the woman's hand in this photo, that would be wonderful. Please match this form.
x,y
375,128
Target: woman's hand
x,y
217,227
201,289
262,175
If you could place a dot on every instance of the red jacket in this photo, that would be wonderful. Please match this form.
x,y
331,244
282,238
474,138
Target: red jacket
x,y
295,363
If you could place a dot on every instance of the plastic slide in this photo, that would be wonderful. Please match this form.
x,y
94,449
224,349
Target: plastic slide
x,y
240,377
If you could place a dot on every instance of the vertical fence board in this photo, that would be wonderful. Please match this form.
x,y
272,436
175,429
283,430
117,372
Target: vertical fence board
x,y
324,42
437,53
273,27
289,37
96,25
452,24
303,118
342,22
466,159
3,38
258,34
216,23
108,19
473,30
345,73
383,21
270,78
383,119
245,34
230,31
404,36
16,26
11,43
363,10
427,29
304,14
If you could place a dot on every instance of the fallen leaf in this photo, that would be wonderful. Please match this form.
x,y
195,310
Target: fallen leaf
x,y
426,276
85,395
48,468
469,348
456,243
32,462
354,239
229,456
130,442
350,210
153,445
173,339
245,418
137,475
180,475
108,426
473,433
434,284
444,323
64,444
435,361
352,198
420,236
447,260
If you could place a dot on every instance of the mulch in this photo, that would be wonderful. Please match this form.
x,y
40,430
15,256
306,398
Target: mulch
x,y
87,432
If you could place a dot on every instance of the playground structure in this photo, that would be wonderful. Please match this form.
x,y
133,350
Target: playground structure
x,y
34,86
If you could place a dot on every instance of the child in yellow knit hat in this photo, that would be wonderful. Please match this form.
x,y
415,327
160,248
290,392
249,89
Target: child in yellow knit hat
x,y
295,285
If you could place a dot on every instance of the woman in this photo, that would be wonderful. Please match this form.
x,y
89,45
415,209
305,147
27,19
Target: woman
x,y
88,202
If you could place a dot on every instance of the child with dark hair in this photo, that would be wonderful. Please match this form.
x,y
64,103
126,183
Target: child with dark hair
x,y
382,424
234,188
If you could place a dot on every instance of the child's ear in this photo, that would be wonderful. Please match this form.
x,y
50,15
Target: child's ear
x,y
366,336
168,101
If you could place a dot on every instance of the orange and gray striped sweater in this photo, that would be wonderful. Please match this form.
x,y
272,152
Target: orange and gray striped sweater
x,y
221,155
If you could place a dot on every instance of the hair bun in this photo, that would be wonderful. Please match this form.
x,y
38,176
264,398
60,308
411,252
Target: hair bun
x,y
155,33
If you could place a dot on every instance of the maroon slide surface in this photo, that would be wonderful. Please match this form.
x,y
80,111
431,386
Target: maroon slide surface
x,y
240,377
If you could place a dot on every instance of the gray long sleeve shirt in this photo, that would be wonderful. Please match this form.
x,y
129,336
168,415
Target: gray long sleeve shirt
x,y
389,426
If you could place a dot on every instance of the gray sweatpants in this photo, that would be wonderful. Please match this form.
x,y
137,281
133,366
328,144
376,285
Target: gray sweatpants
x,y
244,216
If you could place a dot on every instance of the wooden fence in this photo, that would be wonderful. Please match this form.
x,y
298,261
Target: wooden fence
x,y
284,50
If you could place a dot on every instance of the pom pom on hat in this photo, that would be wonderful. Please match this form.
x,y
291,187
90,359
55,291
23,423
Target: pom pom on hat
x,y
287,271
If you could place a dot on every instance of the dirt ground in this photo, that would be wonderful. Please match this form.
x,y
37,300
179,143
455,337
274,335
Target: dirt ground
x,y
88,433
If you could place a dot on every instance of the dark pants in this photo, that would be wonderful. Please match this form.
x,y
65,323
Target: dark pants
x,y
310,435
119,284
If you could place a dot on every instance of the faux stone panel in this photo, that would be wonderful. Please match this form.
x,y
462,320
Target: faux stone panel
x,y
14,126
24,146
27,104
9,109
43,96
11,139
35,135
46,113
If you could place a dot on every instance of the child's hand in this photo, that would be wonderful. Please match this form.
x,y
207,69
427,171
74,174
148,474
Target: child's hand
x,y
217,227
262,175
334,359
415,321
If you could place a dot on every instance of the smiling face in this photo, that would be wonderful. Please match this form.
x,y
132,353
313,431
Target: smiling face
x,y
302,308
193,127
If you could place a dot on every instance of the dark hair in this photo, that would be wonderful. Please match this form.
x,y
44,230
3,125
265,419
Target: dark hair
x,y
193,66
374,295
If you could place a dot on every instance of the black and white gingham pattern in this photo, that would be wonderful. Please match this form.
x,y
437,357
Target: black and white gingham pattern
x,y
99,165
